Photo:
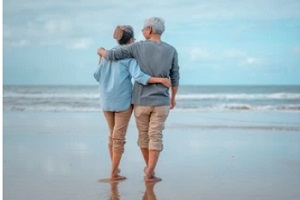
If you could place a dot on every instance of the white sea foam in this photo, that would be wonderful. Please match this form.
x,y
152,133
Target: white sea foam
x,y
242,96
242,107
275,96
96,108
65,98
49,95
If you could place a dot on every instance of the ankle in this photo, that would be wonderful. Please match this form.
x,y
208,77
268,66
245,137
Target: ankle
x,y
115,171
149,173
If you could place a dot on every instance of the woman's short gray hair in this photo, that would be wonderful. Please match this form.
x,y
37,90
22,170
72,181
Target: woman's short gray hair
x,y
157,24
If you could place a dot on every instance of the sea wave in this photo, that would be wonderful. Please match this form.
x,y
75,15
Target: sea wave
x,y
242,107
65,99
73,107
50,95
242,96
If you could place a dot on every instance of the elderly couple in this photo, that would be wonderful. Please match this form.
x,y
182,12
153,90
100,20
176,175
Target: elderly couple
x,y
153,64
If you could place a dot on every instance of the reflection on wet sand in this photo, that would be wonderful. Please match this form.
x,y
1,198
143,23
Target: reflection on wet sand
x,y
114,195
149,193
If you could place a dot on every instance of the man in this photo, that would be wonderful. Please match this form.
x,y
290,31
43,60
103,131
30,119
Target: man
x,y
151,102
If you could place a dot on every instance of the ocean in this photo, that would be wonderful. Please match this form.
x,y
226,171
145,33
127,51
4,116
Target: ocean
x,y
193,98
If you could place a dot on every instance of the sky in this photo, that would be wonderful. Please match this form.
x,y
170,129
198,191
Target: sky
x,y
219,42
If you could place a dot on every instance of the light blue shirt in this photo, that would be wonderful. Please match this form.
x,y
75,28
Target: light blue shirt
x,y
115,83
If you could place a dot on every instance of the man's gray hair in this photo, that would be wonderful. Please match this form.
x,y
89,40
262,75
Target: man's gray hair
x,y
157,24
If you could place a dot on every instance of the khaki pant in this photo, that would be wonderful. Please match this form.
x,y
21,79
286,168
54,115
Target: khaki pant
x,y
150,121
117,124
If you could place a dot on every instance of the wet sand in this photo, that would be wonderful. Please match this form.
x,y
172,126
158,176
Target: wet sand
x,y
206,156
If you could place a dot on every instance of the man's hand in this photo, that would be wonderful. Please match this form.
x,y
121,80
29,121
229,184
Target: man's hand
x,y
174,90
172,104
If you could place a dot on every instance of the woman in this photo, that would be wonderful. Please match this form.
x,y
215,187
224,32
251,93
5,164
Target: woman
x,y
114,78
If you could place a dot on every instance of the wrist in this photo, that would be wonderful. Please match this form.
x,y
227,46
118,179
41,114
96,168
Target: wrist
x,y
101,51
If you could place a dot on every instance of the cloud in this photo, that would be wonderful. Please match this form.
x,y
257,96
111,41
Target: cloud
x,y
296,51
57,26
83,43
234,53
53,22
251,61
46,30
20,43
241,58
199,54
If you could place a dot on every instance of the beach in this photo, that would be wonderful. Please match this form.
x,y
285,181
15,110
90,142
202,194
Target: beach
x,y
206,155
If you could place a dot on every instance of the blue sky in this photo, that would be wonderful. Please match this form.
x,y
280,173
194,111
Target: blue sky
x,y
220,42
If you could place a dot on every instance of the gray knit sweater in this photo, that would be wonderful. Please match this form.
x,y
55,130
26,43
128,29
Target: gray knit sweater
x,y
158,59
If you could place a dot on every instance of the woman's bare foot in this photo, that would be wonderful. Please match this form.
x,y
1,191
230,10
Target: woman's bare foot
x,y
152,178
114,176
117,178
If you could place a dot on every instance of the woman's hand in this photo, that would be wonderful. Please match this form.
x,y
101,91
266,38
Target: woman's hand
x,y
101,52
166,82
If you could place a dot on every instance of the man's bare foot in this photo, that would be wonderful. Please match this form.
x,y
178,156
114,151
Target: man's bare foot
x,y
150,176
146,171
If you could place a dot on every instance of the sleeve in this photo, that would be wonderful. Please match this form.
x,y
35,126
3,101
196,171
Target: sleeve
x,y
97,73
136,72
120,53
174,72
